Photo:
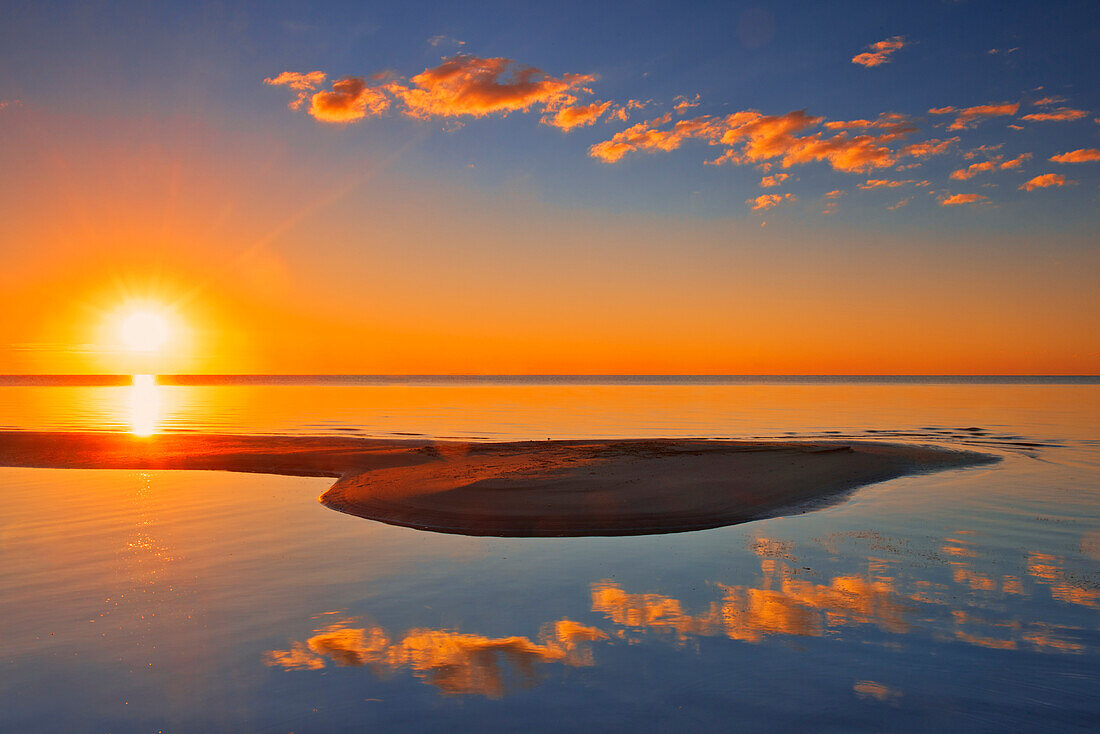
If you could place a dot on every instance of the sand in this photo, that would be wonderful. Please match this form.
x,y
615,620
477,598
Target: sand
x,y
526,488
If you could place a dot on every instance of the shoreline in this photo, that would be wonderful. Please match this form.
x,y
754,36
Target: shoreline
x,y
521,488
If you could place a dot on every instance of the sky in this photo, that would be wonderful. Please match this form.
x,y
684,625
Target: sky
x,y
636,187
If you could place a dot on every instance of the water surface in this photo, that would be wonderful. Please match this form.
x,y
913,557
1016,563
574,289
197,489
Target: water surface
x,y
183,601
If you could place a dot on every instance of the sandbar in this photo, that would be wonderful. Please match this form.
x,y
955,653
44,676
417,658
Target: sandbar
x,y
521,488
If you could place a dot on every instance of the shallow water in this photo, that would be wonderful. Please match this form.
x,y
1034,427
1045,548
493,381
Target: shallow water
x,y
961,601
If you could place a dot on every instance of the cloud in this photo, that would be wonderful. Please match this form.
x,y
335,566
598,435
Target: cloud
x,y
997,162
1084,155
964,174
442,39
1061,114
1048,101
645,136
834,194
899,205
1043,181
350,100
469,85
573,116
686,103
774,180
751,137
462,85
622,112
763,138
879,52
958,199
302,83
879,183
890,121
928,148
768,201
298,80
1015,162
968,117
970,154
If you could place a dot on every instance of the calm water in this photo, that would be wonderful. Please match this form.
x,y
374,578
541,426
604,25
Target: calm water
x,y
208,601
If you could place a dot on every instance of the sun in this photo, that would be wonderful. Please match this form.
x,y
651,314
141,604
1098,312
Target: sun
x,y
143,330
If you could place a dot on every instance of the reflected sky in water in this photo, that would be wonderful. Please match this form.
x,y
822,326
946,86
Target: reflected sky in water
x,y
967,600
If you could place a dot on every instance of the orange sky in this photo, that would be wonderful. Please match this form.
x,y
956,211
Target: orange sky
x,y
421,276
352,234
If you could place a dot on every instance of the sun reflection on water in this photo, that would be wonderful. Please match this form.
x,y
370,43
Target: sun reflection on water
x,y
145,405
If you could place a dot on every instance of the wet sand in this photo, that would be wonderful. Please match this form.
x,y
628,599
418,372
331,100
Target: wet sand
x,y
524,488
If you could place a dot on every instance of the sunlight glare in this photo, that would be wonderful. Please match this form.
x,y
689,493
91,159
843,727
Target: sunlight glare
x,y
144,405
144,331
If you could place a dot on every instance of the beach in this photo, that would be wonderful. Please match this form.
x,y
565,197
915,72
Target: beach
x,y
521,488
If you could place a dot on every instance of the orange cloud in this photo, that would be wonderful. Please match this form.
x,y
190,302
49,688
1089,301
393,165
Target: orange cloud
x,y
1059,115
834,194
350,100
645,137
1015,162
573,116
899,205
1045,180
461,85
623,112
750,137
469,85
1048,101
768,201
970,154
964,174
880,52
297,80
1084,155
958,199
928,148
767,138
970,116
686,103
774,180
303,84
878,183
891,121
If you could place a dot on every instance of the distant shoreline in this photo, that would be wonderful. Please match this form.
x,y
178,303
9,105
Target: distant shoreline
x,y
113,380
520,488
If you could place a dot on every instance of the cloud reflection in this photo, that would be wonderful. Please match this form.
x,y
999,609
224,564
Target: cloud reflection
x,y
968,607
454,662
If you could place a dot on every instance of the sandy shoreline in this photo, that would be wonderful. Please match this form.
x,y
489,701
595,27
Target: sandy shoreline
x,y
524,488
